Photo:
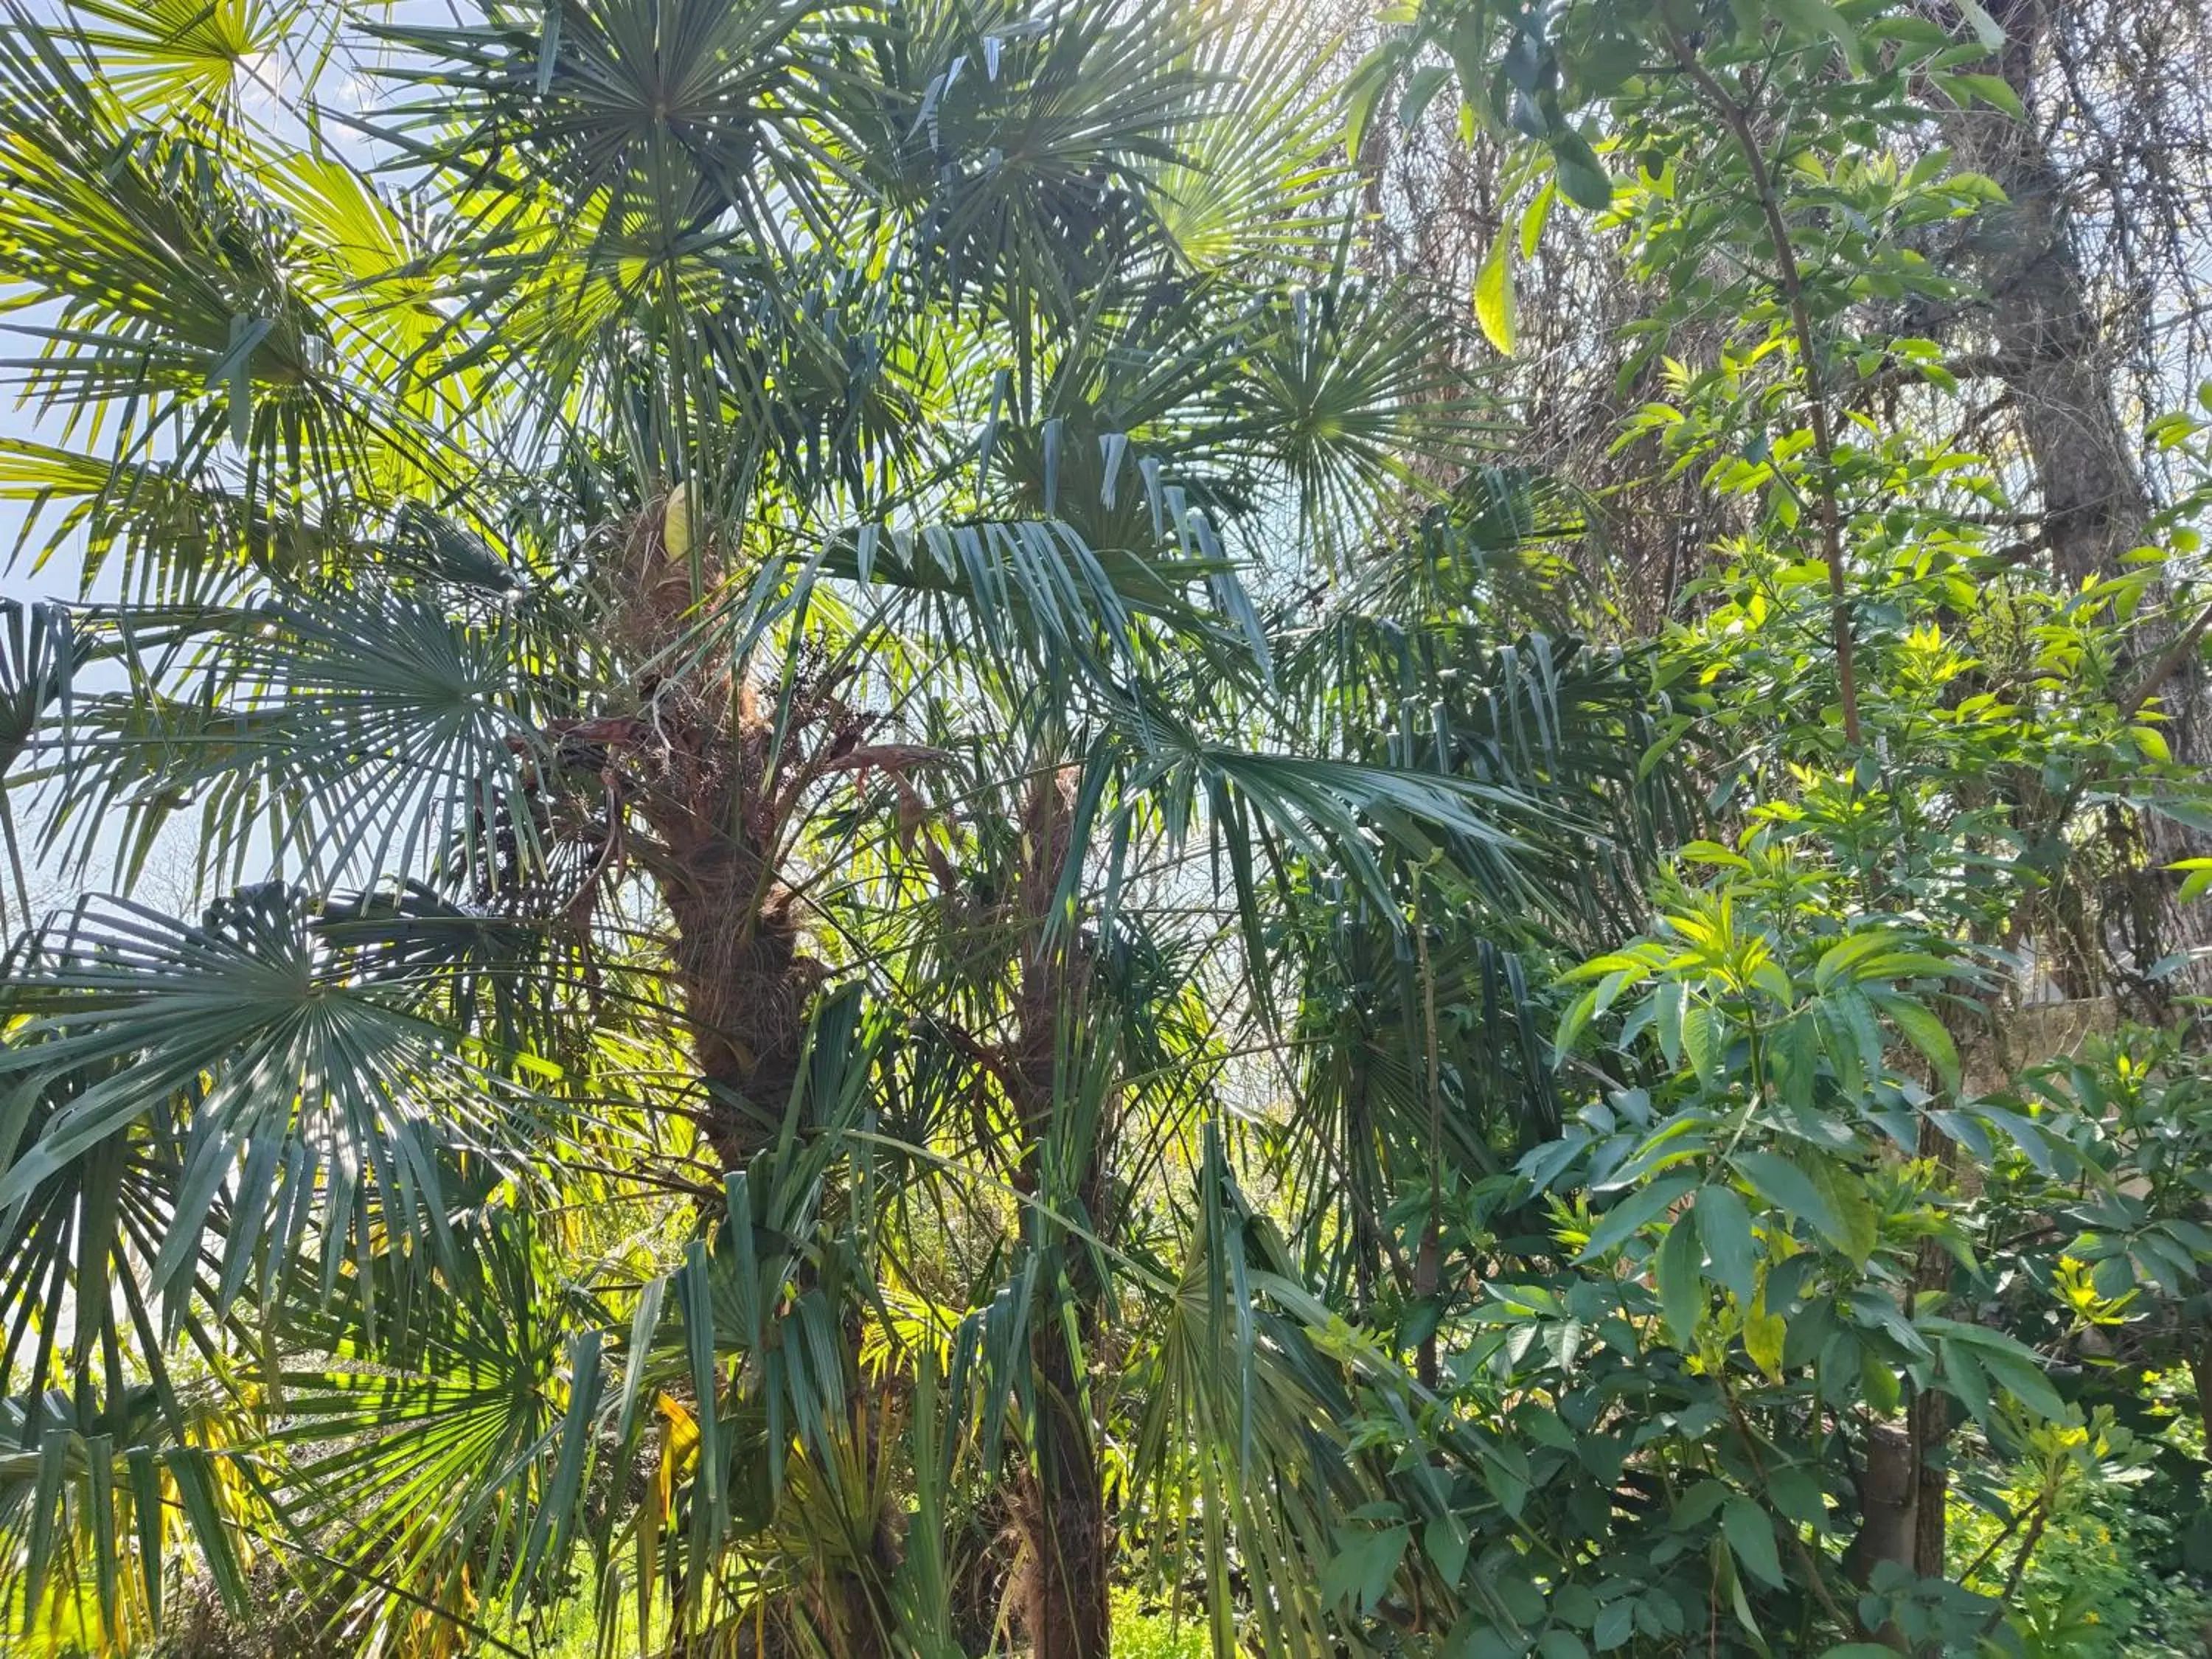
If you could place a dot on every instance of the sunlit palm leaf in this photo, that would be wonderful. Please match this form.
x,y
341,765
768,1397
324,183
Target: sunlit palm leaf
x,y
624,109
313,1114
176,291
189,60
361,731
429,1459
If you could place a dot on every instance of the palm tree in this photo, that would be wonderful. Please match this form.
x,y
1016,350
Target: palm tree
x,y
805,639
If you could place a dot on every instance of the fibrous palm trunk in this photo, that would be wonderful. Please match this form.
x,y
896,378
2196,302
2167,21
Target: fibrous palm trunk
x,y
714,784
1060,1507
746,984
1058,1500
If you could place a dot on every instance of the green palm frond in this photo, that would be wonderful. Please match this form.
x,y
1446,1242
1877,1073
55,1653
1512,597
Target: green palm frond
x,y
665,114
188,60
736,1363
435,1459
1048,132
363,730
1260,169
1277,807
385,275
178,293
174,537
497,975
1037,600
101,1493
39,655
311,1113
1240,1441
1497,545
1352,394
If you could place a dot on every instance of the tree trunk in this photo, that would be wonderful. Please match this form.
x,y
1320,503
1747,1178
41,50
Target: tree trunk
x,y
713,782
1060,1507
1889,1493
746,985
2050,348
2054,359
1060,1500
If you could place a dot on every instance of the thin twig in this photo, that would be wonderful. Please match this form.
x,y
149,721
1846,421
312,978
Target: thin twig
x,y
1816,400
2019,1565
2169,660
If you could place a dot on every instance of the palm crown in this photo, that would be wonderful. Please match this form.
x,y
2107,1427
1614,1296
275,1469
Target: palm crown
x,y
777,630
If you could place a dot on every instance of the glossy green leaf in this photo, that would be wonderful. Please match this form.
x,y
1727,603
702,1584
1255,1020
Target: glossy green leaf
x,y
1750,1534
1680,1290
1788,1189
1638,1210
1494,295
1724,1229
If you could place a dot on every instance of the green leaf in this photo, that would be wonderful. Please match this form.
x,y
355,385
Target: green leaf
x,y
1362,1565
1666,1021
695,1300
1750,1536
1572,1026
2011,1365
2198,878
1988,31
1993,90
1788,1189
1964,1376
1906,964
1574,1604
1724,1228
1493,295
1517,1593
1616,1623
1420,90
1796,1494
556,1511
1705,1034
1623,1219
1880,1385
1764,1336
1446,1540
1743,1614
1365,92
195,1493
1811,19
1842,956
1557,1643
1677,1273
1582,180
1534,217
1857,1227
1924,1030
45,1499
1794,1059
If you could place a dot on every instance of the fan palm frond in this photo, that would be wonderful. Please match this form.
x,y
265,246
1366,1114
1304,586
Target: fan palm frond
x,y
308,1114
365,730
177,289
